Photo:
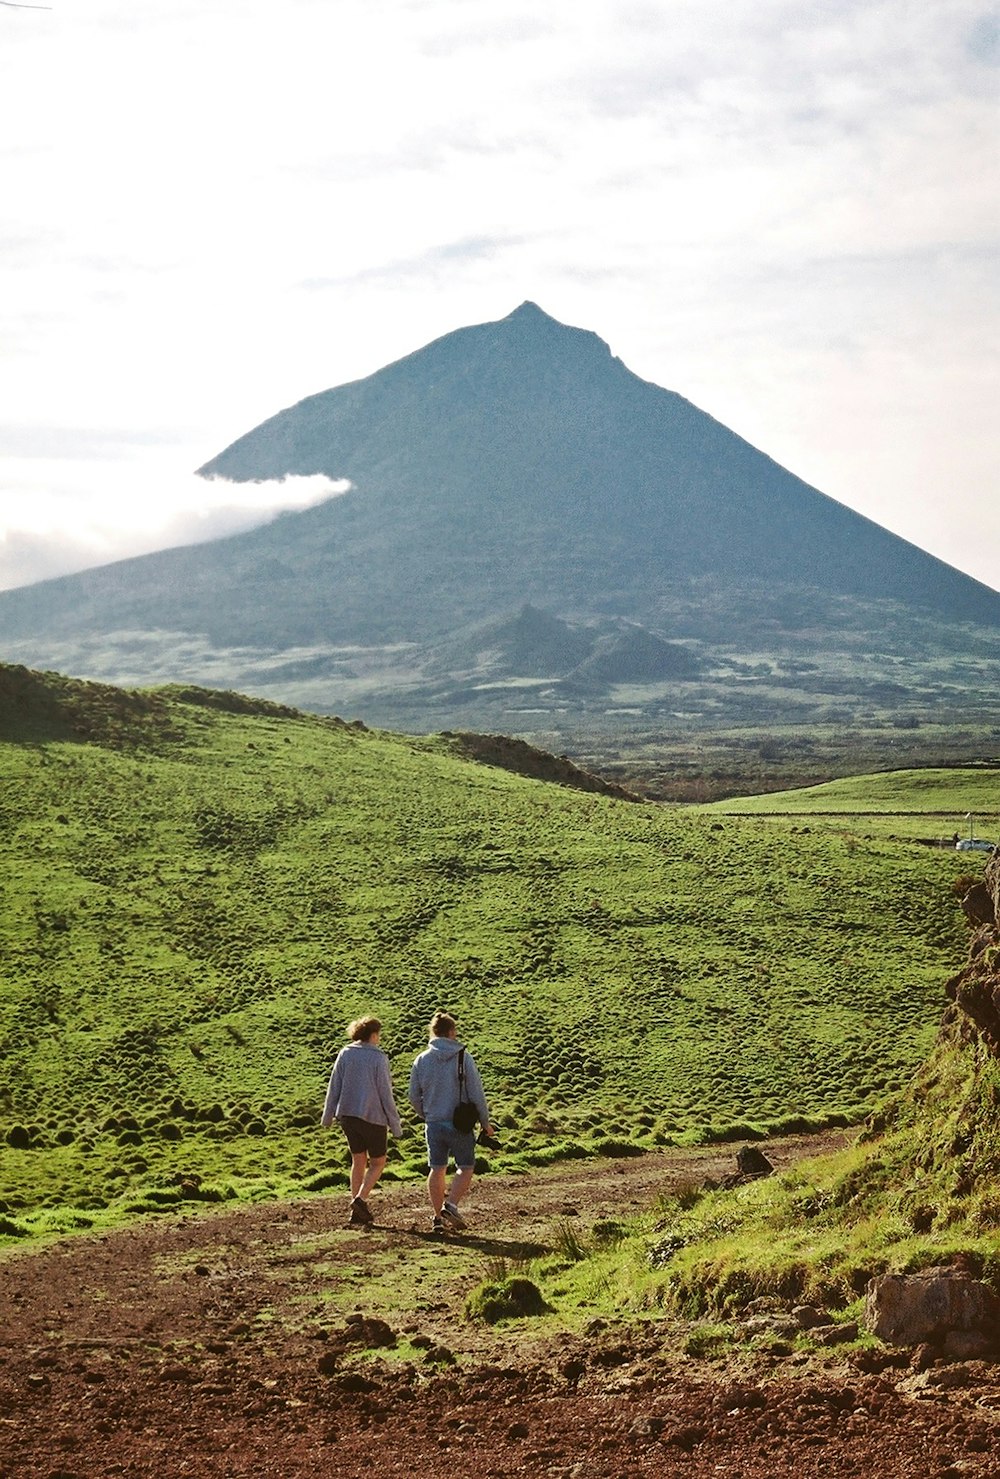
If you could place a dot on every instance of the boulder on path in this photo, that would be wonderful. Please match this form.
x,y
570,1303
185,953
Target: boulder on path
x,y
910,1309
752,1162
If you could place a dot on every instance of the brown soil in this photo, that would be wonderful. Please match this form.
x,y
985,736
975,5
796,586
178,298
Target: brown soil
x,y
231,1344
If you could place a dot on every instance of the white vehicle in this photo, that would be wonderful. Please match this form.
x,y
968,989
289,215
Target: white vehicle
x,y
974,844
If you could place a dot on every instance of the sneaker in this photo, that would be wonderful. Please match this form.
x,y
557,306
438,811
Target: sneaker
x,y
453,1216
361,1213
438,1224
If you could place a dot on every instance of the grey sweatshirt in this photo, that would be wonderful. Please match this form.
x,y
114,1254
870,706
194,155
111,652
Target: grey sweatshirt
x,y
360,1086
434,1082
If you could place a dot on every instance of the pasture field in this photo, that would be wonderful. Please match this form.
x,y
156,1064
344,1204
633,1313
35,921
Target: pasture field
x,y
920,803
199,892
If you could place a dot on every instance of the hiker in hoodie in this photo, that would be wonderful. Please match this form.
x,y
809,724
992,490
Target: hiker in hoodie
x,y
435,1091
360,1099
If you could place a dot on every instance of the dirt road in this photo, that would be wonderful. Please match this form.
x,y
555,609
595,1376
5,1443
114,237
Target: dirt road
x,y
224,1344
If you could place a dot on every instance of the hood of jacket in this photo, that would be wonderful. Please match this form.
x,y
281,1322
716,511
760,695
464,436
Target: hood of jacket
x,y
448,1047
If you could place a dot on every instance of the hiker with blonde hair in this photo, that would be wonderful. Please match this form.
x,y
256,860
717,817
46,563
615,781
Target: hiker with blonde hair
x,y
360,1099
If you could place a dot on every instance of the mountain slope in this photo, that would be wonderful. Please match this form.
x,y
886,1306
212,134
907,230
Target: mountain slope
x,y
593,473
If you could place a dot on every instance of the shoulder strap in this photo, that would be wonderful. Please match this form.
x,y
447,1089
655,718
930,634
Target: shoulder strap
x,y
461,1073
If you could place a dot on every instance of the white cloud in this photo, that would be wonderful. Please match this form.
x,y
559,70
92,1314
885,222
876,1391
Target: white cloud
x,y
61,515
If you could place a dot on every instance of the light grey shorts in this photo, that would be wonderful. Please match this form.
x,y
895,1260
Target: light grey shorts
x,y
444,1141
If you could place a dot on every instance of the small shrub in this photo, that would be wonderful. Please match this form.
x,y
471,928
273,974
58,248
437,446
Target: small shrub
x,y
510,1299
607,1233
568,1243
611,1146
327,1180
707,1340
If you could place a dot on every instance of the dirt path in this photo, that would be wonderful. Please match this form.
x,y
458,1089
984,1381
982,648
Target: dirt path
x,y
221,1345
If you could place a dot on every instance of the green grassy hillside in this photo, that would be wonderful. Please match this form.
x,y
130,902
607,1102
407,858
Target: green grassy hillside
x,y
919,1188
199,891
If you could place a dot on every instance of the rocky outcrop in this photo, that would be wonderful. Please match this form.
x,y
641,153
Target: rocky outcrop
x,y
938,1306
524,759
978,906
976,989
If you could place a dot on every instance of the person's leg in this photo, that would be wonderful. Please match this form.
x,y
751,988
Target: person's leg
x,y
368,1157
463,1148
376,1166
359,1165
437,1136
460,1183
435,1188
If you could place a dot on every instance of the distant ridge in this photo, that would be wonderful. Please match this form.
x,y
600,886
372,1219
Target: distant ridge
x,y
507,468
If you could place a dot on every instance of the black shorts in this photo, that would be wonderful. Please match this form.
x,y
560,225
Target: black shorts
x,y
363,1136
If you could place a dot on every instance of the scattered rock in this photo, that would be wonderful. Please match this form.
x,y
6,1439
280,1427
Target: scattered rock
x,y
923,1357
807,1316
826,1335
646,1427
687,1439
736,1399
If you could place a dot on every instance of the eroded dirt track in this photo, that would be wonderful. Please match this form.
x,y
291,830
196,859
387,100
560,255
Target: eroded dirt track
x,y
221,1345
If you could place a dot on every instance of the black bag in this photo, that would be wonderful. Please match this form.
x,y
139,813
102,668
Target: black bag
x,y
465,1116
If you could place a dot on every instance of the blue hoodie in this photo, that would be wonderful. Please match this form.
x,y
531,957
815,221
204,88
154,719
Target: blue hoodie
x,y
434,1082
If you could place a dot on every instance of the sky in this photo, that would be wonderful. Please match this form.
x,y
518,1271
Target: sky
x,y
784,210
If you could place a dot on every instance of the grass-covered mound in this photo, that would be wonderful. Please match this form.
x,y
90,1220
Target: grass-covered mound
x,y
199,890
920,1187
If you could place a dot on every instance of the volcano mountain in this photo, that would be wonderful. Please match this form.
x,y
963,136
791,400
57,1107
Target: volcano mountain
x,y
530,529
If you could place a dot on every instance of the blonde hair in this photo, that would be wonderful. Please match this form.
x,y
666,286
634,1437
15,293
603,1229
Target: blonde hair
x,y
363,1029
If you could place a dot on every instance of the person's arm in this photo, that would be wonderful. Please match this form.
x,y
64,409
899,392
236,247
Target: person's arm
x,y
415,1096
388,1101
332,1094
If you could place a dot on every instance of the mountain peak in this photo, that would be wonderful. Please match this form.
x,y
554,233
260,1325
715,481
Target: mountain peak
x,y
530,318
529,310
